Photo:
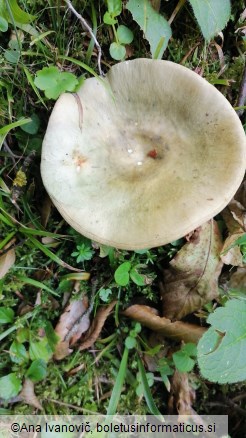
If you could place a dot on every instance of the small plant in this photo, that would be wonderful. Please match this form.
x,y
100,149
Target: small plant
x,y
122,34
83,253
54,82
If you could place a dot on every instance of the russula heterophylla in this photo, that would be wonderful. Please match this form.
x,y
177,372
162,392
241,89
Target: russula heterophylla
x,y
143,156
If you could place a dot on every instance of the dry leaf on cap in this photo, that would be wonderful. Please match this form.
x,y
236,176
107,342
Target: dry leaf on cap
x,y
28,395
72,324
180,331
192,278
6,262
182,395
96,326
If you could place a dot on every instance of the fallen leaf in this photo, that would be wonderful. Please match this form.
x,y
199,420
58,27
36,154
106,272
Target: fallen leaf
x,y
178,330
182,395
72,324
232,256
238,280
28,395
192,278
6,262
97,326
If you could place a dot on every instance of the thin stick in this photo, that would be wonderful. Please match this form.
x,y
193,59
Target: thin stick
x,y
88,28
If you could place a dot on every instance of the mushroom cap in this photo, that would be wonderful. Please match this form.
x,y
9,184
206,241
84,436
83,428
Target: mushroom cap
x,y
143,156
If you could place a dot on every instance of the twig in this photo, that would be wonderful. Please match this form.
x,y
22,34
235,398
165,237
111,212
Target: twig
x,y
242,95
88,28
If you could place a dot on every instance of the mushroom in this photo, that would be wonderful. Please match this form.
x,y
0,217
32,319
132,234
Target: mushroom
x,y
143,156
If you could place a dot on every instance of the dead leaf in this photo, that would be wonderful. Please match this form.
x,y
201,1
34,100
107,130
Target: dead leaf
x,y
192,279
238,280
180,331
28,395
182,395
232,256
72,324
97,326
7,260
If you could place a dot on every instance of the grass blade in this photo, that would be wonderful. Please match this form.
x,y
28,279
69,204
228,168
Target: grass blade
x,y
147,394
115,396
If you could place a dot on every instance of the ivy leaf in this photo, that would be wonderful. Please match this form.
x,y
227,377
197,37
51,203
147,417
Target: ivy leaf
x,y
121,274
10,386
117,51
37,370
212,15
156,29
54,82
222,349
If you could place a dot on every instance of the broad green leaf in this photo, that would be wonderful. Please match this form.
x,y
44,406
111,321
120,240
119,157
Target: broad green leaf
x,y
55,82
18,353
18,14
12,56
137,278
124,35
108,19
3,24
114,7
40,350
154,26
183,362
6,315
117,51
37,370
221,351
121,274
10,386
33,126
212,15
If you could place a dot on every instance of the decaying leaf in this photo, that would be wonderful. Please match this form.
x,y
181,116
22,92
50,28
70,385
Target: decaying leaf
x,y
182,395
27,394
6,262
238,280
231,255
178,330
192,278
72,324
97,326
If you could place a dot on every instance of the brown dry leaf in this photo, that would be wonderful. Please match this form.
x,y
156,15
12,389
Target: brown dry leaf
x,y
6,262
182,395
72,324
233,256
97,326
28,395
238,280
192,279
180,331
233,220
